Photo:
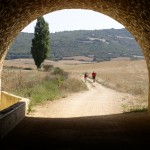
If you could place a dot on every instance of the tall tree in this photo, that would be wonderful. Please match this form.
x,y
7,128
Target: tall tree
x,y
40,48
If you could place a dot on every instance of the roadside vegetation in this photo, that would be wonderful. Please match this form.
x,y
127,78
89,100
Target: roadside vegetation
x,y
134,84
123,76
40,85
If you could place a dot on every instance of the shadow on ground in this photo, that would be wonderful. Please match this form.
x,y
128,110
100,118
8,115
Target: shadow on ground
x,y
122,131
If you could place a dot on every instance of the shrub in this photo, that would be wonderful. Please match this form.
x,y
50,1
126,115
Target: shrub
x,y
27,68
47,67
60,72
73,85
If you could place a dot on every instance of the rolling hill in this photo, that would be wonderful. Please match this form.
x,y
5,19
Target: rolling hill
x,y
100,45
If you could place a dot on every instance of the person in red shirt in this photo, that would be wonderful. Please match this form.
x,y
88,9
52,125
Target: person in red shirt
x,y
93,76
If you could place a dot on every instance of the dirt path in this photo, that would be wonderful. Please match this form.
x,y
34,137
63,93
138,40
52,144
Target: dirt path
x,y
98,100
75,122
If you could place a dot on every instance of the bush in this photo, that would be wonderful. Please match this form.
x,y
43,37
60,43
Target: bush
x,y
73,85
48,67
60,72
27,68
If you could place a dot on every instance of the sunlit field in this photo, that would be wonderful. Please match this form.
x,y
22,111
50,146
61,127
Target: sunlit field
x,y
122,75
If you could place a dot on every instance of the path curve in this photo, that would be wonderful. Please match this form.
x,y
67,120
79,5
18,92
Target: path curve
x,y
98,100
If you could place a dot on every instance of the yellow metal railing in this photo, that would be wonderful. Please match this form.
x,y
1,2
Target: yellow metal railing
x,y
8,99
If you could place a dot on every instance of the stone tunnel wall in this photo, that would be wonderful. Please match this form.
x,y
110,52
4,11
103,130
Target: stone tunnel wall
x,y
17,14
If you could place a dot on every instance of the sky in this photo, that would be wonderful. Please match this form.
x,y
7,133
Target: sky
x,y
76,19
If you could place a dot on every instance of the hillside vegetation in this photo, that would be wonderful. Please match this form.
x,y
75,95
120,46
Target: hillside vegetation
x,y
99,45
122,75
40,85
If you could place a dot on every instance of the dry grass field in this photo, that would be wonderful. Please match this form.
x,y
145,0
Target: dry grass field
x,y
120,74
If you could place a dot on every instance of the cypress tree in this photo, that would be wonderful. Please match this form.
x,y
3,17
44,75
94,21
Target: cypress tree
x,y
40,48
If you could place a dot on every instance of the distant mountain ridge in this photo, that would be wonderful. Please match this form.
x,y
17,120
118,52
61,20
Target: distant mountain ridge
x,y
100,44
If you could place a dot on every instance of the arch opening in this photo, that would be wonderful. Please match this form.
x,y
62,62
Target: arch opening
x,y
108,77
123,12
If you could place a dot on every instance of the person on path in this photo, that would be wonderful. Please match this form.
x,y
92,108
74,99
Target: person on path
x,y
93,76
85,76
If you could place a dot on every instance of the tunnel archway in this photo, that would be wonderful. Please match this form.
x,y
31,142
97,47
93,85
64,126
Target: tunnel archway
x,y
133,14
